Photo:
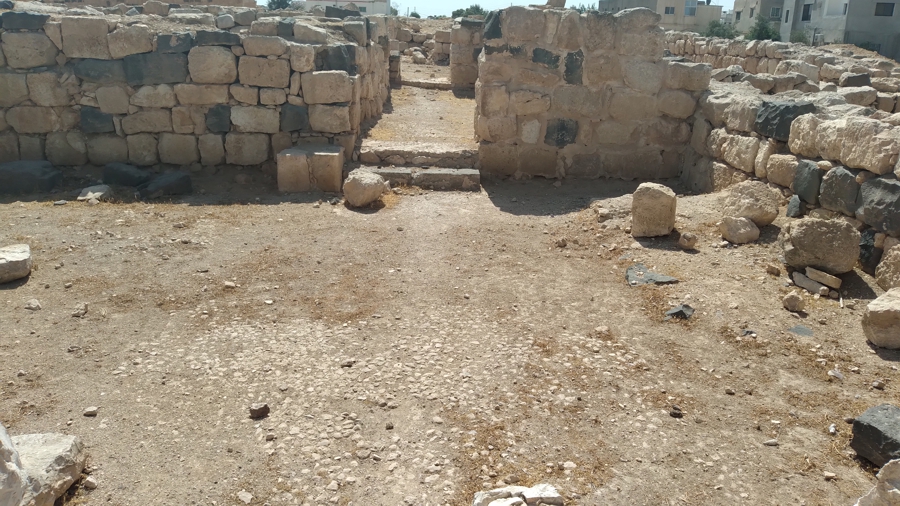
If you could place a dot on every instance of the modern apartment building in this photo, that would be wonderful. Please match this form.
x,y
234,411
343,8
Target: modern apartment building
x,y
365,6
746,13
867,23
682,15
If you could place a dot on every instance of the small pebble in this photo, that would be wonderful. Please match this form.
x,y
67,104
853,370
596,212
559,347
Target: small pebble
x,y
259,410
90,483
771,442
91,411
878,385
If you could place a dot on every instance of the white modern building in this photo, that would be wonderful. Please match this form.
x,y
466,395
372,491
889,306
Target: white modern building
x,y
365,6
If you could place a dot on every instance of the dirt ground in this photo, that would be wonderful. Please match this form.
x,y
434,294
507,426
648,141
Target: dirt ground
x,y
417,353
416,115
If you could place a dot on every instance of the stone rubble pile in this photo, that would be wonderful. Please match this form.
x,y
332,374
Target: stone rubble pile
x,y
537,495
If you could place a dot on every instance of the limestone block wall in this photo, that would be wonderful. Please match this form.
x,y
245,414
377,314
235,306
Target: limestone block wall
x,y
566,95
466,41
840,160
76,90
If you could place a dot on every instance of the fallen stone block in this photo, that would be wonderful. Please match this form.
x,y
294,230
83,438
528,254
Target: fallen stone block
x,y
876,434
881,324
738,230
28,176
171,183
886,491
832,246
363,187
824,278
53,462
887,275
653,210
753,200
15,263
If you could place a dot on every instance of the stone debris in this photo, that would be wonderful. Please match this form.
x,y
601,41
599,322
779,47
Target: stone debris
x,y
363,187
876,434
653,210
832,246
53,463
881,321
794,302
245,497
824,278
512,495
33,305
98,192
15,262
753,200
886,491
639,274
259,410
91,411
738,230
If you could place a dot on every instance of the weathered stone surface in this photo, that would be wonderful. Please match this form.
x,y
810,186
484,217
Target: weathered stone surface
x,y
170,183
782,169
887,275
738,230
94,121
329,118
363,187
261,45
293,171
174,42
85,37
880,205
101,71
807,181
876,432
840,191
255,119
212,149
308,34
125,175
740,152
28,176
201,94
15,263
161,97
212,65
189,18
128,40
832,246
13,478
328,87
156,7
45,90
104,149
245,17
13,89
26,50
339,57
156,68
216,38
886,490
688,76
113,99
33,120
849,79
143,150
53,462
245,94
774,118
326,165
23,20
869,255
796,208
178,149
66,148
676,103
246,149
753,200
151,120
294,117
653,210
218,119
225,21
303,57
264,72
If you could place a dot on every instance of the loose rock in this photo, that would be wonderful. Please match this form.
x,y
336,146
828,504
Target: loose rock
x,y
259,410
738,230
876,434
794,302
832,246
363,187
15,262
881,321
653,210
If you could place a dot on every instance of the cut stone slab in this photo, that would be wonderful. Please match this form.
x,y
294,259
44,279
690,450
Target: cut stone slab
x,y
886,491
15,263
172,183
28,176
824,278
13,479
311,167
639,274
805,283
53,462
653,210
881,324
876,434
363,187
98,192
447,179
125,175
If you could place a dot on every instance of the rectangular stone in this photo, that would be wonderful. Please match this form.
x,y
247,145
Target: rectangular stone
x,y
156,68
328,87
263,72
85,37
824,278
448,179
148,121
255,119
201,94
293,171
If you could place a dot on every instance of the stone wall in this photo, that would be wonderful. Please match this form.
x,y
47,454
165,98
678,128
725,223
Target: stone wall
x,y
566,95
466,42
81,90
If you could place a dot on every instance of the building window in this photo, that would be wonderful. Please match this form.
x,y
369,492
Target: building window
x,y
787,16
776,13
670,10
737,15
807,12
845,8
752,10
362,9
884,9
690,7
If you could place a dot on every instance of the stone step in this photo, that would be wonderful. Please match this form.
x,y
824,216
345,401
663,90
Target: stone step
x,y
310,167
412,154
428,84
431,178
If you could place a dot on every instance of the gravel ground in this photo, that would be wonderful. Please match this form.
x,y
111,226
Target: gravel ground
x,y
420,352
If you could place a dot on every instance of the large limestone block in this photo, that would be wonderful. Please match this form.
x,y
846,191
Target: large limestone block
x,y
178,149
255,119
628,105
308,34
328,87
26,50
782,169
212,65
246,149
753,200
104,149
828,245
261,45
802,139
887,275
522,24
880,205
326,167
201,94
66,148
840,191
45,90
799,67
15,263
245,94
363,187
156,7
212,149
303,57
738,230
653,210
13,89
147,121
158,97
329,118
644,76
688,76
676,104
740,152
85,37
881,321
33,120
143,150
128,40
113,99
862,95
293,171
263,72
53,462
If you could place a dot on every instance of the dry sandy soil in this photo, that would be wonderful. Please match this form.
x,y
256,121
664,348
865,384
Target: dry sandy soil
x,y
419,352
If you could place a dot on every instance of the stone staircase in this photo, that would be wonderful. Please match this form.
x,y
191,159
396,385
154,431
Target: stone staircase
x,y
445,166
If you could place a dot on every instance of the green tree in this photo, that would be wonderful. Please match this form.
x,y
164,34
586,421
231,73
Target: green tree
x,y
720,29
763,30
395,10
800,36
275,5
415,14
473,10
581,8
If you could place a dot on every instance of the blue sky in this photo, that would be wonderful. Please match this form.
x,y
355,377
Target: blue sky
x,y
445,7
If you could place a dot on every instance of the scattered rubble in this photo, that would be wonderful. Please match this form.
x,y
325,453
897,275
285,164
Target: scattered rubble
x,y
887,487
639,274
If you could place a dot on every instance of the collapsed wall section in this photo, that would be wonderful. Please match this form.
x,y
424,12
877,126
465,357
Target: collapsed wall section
x,y
79,90
566,95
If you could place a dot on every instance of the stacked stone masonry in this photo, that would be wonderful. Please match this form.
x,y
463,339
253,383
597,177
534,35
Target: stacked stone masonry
x,y
566,95
79,90
466,41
